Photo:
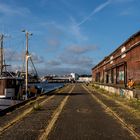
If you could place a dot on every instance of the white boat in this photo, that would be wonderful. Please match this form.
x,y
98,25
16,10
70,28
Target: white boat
x,y
9,83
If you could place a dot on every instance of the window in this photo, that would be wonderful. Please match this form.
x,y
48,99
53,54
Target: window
x,y
111,58
122,51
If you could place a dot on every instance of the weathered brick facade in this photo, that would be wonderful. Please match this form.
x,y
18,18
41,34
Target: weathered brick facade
x,y
120,65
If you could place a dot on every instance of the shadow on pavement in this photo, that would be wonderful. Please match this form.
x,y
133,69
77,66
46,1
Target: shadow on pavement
x,y
66,94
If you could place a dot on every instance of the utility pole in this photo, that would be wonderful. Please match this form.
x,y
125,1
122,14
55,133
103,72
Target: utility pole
x,y
1,53
26,65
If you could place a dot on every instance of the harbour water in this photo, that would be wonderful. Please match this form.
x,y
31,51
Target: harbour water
x,y
46,87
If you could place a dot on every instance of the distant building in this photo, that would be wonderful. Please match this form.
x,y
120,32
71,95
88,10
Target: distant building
x,y
74,76
120,65
85,79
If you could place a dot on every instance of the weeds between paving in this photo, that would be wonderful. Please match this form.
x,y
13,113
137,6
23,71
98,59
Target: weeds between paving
x,y
127,109
134,103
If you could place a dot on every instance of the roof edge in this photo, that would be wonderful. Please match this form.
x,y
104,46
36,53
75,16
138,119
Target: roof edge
x,y
131,37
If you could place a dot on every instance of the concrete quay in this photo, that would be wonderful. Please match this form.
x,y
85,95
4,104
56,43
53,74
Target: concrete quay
x,y
75,112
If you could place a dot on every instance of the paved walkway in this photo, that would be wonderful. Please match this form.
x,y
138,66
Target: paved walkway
x,y
72,114
84,119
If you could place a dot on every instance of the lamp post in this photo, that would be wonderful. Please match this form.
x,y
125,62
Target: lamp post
x,y
26,65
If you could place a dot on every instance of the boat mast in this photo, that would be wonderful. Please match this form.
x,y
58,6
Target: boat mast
x,y
1,53
26,65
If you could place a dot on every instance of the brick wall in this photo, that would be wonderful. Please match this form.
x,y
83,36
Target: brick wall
x,y
122,64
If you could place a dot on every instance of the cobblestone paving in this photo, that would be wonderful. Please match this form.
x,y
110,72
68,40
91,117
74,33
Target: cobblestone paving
x,y
82,118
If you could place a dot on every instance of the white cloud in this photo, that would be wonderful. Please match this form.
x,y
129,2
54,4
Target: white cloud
x,y
76,31
95,11
53,42
127,12
14,56
64,70
36,58
66,31
54,29
80,49
75,60
13,10
122,1
53,63
15,67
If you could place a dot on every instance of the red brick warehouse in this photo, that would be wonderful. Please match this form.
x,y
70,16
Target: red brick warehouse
x,y
120,65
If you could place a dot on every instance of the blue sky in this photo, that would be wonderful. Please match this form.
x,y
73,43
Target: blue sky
x,y
68,35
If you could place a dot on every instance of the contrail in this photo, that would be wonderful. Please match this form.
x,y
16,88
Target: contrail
x,y
96,10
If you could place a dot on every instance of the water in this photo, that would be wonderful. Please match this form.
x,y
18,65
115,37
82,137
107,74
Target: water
x,y
46,87
49,86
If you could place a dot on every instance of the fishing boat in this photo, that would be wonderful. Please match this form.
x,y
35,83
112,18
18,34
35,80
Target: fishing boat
x,y
16,85
9,83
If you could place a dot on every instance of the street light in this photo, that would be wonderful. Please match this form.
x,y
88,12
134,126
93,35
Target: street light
x,y
26,57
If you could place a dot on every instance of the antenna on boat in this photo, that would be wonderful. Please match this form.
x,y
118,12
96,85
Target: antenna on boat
x,y
1,53
2,60
26,58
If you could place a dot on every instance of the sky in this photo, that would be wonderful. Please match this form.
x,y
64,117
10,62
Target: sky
x,y
68,35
